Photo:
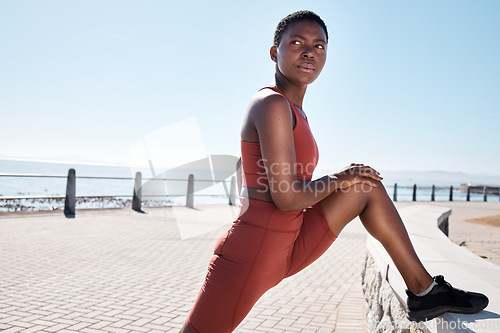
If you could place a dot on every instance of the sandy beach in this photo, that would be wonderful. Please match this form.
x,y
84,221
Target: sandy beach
x,y
492,220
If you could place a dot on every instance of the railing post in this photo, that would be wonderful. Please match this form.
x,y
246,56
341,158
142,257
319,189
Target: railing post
x,y
415,192
485,193
232,192
70,199
433,193
395,195
137,197
468,193
190,192
451,193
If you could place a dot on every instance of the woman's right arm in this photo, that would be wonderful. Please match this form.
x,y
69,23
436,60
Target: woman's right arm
x,y
272,120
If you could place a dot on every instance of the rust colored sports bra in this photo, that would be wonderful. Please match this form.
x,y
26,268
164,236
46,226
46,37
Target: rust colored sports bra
x,y
306,152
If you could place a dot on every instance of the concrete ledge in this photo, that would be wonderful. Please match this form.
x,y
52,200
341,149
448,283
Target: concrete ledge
x,y
440,256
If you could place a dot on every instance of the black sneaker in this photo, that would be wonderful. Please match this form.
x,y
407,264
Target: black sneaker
x,y
443,298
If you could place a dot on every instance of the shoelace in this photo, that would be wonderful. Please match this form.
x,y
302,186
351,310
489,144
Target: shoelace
x,y
446,283
453,291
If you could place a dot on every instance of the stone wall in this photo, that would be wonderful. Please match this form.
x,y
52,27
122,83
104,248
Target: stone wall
x,y
384,312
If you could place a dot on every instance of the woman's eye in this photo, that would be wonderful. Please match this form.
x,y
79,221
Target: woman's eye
x,y
295,42
319,46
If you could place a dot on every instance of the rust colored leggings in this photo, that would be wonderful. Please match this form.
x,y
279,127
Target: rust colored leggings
x,y
262,247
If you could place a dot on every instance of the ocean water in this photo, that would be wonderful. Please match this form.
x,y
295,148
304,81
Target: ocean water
x,y
119,191
24,186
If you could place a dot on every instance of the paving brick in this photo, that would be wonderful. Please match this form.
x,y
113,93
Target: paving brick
x,y
106,318
13,329
156,327
121,323
37,328
4,326
56,328
142,322
134,328
118,330
100,324
90,330
65,321
8,319
78,326
43,322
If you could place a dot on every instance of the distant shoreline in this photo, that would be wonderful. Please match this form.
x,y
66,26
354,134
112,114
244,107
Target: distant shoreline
x,y
63,161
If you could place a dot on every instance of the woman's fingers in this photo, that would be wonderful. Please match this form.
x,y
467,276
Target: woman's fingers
x,y
363,169
372,173
369,172
359,173
362,166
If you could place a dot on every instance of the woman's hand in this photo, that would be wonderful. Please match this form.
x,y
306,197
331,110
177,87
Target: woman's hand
x,y
356,174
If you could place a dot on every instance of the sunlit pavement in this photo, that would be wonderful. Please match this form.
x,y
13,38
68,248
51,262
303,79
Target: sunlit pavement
x,y
122,271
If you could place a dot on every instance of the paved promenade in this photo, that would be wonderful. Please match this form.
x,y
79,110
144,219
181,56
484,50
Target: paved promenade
x,y
122,271
483,240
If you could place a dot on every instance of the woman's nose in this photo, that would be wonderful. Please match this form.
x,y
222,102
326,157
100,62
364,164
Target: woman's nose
x,y
307,53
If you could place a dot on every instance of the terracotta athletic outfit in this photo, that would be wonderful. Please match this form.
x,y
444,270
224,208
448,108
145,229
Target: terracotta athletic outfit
x,y
264,245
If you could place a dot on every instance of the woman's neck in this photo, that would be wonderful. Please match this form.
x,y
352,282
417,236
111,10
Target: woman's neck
x,y
293,92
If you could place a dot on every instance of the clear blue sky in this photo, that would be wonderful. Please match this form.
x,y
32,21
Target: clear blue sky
x,y
408,85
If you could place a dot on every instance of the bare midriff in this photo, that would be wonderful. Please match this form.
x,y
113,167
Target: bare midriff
x,y
257,194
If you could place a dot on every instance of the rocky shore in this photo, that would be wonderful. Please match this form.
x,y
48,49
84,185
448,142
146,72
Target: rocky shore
x,y
45,204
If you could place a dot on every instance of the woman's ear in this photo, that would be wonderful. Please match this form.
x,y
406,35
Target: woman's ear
x,y
272,53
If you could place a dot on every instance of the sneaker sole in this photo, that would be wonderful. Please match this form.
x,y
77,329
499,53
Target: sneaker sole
x,y
429,314
425,315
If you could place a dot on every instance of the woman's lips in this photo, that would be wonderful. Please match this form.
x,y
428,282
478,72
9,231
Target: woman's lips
x,y
306,67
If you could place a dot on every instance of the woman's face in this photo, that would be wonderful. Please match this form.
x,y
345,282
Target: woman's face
x,y
301,54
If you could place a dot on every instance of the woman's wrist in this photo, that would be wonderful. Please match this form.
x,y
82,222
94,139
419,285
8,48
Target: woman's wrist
x,y
333,182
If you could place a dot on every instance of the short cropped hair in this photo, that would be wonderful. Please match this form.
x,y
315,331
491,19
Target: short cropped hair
x,y
301,15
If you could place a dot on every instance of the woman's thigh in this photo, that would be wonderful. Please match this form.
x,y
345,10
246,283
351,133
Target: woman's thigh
x,y
248,261
314,238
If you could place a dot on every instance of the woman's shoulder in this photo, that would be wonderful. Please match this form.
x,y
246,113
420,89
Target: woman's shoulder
x,y
267,110
268,102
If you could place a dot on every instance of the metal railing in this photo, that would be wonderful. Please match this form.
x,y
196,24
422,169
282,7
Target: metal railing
x,y
485,191
137,196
